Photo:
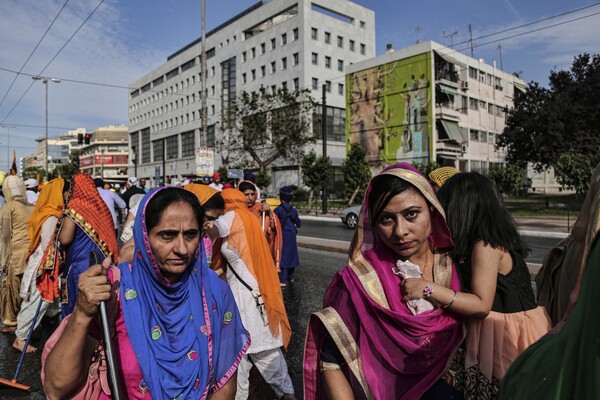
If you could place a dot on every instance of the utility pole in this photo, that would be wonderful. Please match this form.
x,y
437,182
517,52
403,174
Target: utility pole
x,y
324,129
451,36
203,110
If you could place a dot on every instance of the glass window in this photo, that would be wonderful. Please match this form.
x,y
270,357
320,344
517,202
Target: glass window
x,y
340,41
363,48
172,147
296,58
243,56
328,86
244,77
315,58
314,33
474,135
284,85
283,39
473,104
363,24
327,37
315,83
340,88
296,33
351,44
327,62
472,73
340,65
296,84
263,71
146,145
273,44
253,74
253,52
263,48
210,135
273,67
284,63
158,150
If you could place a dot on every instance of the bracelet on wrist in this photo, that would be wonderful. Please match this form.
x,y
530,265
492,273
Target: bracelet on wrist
x,y
427,291
451,301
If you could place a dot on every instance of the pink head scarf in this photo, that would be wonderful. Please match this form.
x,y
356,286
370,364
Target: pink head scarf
x,y
399,355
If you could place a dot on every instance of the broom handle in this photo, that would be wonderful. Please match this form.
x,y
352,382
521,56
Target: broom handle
x,y
110,354
37,312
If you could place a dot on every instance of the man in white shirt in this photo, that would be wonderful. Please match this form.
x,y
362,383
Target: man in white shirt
x,y
32,190
216,182
113,201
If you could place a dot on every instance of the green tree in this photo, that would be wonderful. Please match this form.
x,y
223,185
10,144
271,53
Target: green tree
x,y
563,119
264,127
68,170
426,168
573,171
507,178
315,173
34,172
356,173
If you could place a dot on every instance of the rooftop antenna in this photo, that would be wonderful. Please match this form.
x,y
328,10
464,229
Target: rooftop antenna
x,y
471,38
451,36
418,29
500,51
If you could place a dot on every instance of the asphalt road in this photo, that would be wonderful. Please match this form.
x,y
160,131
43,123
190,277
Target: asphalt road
x,y
334,229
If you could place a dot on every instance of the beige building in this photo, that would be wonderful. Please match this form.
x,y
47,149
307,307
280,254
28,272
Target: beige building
x,y
106,155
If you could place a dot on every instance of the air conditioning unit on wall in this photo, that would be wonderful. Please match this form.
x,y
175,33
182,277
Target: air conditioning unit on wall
x,y
464,148
464,85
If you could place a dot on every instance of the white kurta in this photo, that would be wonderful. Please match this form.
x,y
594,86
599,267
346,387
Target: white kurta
x,y
261,337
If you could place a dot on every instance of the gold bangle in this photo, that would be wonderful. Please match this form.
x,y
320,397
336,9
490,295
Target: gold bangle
x,y
451,301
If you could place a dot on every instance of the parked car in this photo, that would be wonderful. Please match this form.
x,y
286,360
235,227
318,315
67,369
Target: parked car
x,y
350,216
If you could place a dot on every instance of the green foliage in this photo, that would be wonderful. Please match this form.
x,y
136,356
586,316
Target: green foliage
x,y
34,172
67,171
573,171
263,179
315,170
356,172
548,123
426,168
507,178
267,127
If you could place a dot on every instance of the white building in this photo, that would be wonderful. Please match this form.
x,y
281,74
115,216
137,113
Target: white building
x,y
292,43
59,148
428,103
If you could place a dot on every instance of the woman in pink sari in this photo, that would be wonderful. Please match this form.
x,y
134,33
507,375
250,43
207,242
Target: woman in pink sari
x,y
367,343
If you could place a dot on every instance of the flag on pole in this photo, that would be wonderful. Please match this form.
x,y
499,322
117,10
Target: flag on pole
x,y
13,169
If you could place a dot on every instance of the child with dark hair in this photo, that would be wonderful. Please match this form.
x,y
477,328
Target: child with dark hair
x,y
503,317
290,222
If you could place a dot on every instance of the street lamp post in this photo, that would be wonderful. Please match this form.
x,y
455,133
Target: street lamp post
x,y
45,80
8,127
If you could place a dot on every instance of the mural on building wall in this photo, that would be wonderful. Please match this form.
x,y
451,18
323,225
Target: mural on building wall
x,y
389,110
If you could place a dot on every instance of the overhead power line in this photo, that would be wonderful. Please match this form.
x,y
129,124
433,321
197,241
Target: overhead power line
x,y
32,52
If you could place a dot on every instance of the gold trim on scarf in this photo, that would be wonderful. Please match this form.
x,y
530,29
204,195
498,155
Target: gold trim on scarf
x,y
442,269
420,183
370,280
344,341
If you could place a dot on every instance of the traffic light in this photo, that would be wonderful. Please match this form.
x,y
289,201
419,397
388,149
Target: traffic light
x,y
80,138
87,138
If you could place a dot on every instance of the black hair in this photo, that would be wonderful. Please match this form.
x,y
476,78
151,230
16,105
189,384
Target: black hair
x,y
383,188
475,212
247,186
171,195
66,186
216,202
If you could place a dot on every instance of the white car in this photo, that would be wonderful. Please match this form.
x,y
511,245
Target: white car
x,y
350,216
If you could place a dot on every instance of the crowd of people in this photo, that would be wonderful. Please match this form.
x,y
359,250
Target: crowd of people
x,y
177,291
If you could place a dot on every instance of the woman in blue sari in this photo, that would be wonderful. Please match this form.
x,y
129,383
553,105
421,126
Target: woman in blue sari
x,y
86,227
178,330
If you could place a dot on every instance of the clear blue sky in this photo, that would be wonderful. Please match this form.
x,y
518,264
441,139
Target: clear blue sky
x,y
125,39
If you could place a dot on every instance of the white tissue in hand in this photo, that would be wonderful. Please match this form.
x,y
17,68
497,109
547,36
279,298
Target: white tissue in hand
x,y
406,269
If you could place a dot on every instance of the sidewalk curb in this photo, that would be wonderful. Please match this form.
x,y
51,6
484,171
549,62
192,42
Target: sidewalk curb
x,y
340,246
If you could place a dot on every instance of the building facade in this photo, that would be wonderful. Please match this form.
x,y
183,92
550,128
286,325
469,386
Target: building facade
x,y
59,149
295,44
107,154
429,103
